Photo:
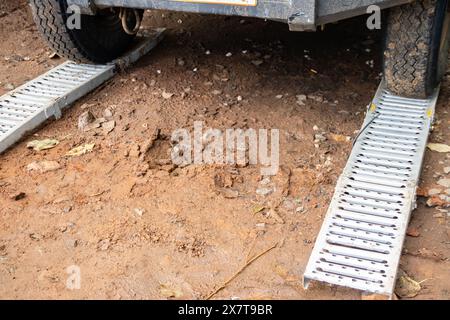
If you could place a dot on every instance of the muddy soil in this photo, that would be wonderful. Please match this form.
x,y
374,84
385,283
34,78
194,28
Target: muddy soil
x,y
138,227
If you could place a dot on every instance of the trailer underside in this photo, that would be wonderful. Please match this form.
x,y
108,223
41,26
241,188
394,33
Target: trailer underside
x,y
301,15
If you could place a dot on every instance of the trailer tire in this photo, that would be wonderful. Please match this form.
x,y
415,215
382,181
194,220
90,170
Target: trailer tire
x,y
416,47
100,39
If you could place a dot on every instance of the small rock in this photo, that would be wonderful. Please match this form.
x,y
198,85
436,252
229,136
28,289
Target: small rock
x,y
433,192
108,113
140,212
104,244
43,166
421,192
319,138
264,191
315,98
108,126
61,200
71,243
261,226
229,193
265,181
167,95
299,209
135,151
163,162
444,183
9,86
181,62
85,119
257,62
67,209
436,201
447,170
412,232
301,98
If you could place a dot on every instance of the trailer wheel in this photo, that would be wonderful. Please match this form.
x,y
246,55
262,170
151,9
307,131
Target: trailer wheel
x,y
100,39
416,47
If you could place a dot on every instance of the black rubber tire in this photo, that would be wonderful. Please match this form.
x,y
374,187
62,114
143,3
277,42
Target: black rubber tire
x,y
100,39
416,47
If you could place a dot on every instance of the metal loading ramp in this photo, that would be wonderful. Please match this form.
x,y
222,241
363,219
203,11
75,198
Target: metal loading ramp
x,y
361,239
38,100
30,105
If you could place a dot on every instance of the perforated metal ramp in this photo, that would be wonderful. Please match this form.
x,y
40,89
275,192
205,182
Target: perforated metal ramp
x,y
361,239
28,106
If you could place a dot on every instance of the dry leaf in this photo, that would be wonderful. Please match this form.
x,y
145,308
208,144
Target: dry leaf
x,y
339,137
281,271
258,209
81,150
39,145
407,287
168,292
439,147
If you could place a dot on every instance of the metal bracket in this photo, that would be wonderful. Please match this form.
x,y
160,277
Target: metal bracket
x,y
304,16
86,6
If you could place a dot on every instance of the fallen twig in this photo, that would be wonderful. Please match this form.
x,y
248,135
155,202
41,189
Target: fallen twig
x,y
99,193
249,262
251,248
